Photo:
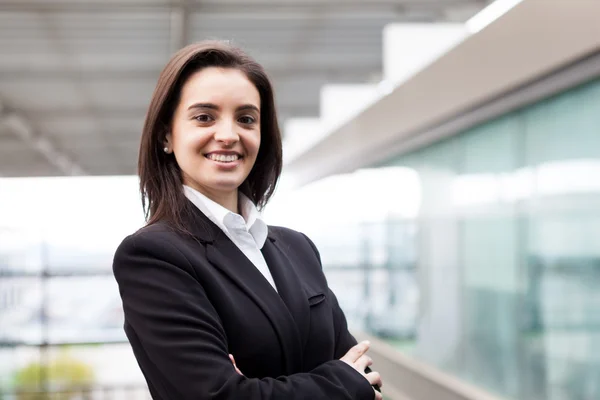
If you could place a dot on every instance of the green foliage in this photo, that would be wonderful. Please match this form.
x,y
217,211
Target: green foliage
x,y
62,374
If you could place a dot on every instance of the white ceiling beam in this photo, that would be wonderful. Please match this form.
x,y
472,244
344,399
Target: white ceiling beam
x,y
22,129
463,88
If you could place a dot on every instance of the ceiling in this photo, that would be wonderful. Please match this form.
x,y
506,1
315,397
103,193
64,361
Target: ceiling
x,y
76,76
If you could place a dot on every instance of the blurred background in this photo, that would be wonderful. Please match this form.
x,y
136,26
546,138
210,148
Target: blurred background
x,y
444,155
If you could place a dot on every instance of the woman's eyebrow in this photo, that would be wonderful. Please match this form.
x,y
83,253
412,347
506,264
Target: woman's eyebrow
x,y
204,105
217,108
247,107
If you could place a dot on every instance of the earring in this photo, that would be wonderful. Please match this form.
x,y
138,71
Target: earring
x,y
166,150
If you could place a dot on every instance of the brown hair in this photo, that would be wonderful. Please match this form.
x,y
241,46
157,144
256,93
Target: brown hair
x,y
160,176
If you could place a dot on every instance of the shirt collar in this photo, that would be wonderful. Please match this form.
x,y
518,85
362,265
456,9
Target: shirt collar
x,y
217,213
256,225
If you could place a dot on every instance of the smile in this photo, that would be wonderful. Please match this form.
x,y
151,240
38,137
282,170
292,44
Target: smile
x,y
224,158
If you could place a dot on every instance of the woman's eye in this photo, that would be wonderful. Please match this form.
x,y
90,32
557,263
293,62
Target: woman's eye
x,y
246,120
203,118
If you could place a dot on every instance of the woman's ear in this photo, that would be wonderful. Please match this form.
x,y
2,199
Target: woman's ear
x,y
167,143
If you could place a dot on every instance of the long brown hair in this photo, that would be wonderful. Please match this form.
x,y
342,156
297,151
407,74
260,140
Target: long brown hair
x,y
160,176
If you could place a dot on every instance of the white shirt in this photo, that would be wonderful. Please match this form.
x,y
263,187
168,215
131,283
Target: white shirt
x,y
247,231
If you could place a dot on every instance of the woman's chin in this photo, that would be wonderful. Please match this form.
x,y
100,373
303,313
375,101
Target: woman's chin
x,y
226,186
221,186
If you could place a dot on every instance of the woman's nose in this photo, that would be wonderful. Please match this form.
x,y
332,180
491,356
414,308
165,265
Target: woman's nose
x,y
226,134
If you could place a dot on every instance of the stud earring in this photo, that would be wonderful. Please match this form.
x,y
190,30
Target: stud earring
x,y
166,150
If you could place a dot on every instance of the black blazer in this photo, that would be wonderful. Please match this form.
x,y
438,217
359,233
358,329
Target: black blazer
x,y
189,301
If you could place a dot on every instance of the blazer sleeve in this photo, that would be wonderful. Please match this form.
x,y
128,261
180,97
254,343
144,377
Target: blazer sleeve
x,y
181,345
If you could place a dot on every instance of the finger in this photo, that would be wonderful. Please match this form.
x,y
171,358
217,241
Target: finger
x,y
378,396
234,364
363,362
374,378
355,352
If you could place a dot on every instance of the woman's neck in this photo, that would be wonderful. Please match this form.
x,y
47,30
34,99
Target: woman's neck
x,y
229,200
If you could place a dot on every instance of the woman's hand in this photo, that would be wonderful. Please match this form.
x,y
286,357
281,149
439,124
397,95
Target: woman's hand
x,y
235,366
356,357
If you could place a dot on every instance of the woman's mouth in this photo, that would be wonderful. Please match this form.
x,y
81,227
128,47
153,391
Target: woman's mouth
x,y
223,158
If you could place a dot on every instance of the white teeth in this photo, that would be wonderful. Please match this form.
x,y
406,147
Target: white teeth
x,y
223,157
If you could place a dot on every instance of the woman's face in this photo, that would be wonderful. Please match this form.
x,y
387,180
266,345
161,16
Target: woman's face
x,y
215,133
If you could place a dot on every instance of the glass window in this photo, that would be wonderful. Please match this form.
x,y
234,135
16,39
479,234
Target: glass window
x,y
508,256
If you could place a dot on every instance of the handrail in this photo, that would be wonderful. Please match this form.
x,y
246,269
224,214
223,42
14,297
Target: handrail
x,y
406,378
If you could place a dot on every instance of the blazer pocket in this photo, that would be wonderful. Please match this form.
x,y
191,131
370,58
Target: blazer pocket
x,y
316,299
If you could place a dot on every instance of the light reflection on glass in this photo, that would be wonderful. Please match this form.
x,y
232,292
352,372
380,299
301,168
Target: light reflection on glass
x,y
548,179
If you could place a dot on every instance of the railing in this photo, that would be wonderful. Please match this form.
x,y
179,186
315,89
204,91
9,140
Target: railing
x,y
408,379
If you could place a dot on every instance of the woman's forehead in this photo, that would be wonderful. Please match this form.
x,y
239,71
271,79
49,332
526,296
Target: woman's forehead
x,y
212,84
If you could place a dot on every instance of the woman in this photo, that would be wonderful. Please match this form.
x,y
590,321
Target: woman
x,y
218,305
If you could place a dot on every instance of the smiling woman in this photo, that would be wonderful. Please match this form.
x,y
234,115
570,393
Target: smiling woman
x,y
215,133
217,304
203,88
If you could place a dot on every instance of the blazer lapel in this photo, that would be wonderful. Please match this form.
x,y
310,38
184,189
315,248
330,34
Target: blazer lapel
x,y
225,255
289,286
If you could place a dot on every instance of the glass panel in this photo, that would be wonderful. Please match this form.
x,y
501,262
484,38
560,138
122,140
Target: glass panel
x,y
508,257
84,310
36,236
57,288
490,255
21,312
369,295
21,251
437,263
60,310
563,342
564,127
349,288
